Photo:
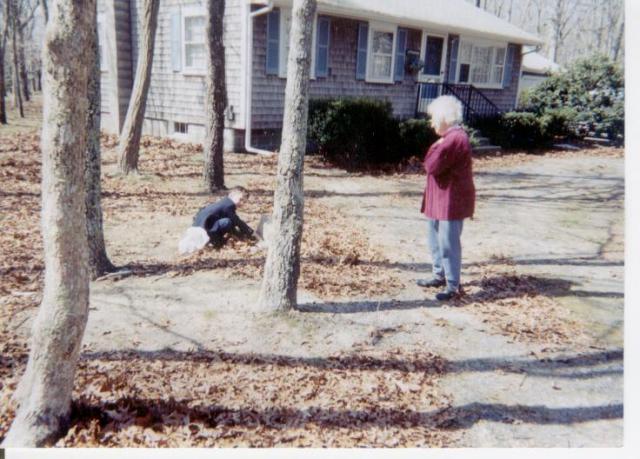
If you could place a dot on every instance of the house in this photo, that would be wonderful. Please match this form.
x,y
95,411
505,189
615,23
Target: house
x,y
535,69
361,48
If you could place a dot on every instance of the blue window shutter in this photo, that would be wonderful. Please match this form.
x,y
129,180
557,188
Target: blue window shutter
x,y
453,60
508,67
322,48
363,43
401,50
176,40
273,42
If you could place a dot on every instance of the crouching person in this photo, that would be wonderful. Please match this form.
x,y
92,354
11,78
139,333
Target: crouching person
x,y
214,222
449,196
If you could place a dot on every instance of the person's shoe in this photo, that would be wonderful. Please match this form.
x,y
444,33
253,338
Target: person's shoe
x,y
433,282
447,295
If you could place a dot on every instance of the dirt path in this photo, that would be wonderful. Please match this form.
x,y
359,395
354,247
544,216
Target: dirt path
x,y
558,220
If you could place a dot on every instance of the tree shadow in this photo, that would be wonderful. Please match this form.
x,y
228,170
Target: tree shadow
x,y
354,307
159,413
578,366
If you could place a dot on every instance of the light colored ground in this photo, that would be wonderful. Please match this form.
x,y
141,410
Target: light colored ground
x,y
556,222
557,218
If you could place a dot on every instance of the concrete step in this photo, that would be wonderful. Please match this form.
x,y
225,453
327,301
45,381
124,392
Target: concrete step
x,y
483,141
486,149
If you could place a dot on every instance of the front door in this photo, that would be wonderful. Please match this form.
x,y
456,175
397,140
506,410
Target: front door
x,y
431,75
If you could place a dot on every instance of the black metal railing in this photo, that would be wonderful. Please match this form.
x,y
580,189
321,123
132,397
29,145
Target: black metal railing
x,y
475,104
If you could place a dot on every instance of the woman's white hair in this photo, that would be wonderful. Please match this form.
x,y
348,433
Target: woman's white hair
x,y
445,109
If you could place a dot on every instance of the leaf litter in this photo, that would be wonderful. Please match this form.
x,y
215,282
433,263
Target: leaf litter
x,y
209,400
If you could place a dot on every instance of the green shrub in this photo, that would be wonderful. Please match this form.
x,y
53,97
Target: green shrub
x,y
560,122
593,89
519,129
416,136
353,132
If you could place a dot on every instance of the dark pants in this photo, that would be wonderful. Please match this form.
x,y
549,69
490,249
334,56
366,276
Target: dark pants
x,y
218,230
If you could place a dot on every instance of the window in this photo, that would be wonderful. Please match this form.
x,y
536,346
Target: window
x,y
285,34
481,64
195,58
382,42
180,128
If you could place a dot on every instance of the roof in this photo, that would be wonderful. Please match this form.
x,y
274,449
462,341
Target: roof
x,y
537,63
454,16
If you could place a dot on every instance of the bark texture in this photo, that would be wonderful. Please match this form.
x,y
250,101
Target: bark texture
x,y
45,10
282,267
17,91
129,145
24,77
216,98
99,262
3,90
44,393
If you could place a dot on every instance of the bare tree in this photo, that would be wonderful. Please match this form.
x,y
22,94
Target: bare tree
x,y
617,44
216,100
99,262
129,144
13,13
561,23
3,42
282,267
44,393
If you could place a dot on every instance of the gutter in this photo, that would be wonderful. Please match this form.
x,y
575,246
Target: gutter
x,y
249,80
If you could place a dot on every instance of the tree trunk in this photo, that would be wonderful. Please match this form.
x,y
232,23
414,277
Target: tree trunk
x,y
216,101
44,393
99,262
17,96
3,106
45,10
129,145
24,78
618,42
282,267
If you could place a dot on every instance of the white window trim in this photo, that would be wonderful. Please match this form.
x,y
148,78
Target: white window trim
x,y
381,27
423,55
191,12
482,42
285,36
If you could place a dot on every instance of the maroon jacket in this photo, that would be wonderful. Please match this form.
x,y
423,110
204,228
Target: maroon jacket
x,y
450,193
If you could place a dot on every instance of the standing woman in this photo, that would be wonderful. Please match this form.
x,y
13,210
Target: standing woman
x,y
449,196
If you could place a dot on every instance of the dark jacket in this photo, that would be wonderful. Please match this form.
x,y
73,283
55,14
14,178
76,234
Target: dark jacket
x,y
225,208
450,193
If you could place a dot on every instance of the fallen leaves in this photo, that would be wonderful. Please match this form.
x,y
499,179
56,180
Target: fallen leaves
x,y
372,398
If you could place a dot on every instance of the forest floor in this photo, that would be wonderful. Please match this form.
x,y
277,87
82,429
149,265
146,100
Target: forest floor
x,y
176,355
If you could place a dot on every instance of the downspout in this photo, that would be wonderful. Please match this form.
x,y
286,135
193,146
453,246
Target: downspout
x,y
249,80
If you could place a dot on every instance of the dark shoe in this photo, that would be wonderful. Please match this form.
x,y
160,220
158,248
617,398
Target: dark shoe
x,y
447,295
433,282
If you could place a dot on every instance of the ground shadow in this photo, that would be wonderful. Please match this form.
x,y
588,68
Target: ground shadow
x,y
580,366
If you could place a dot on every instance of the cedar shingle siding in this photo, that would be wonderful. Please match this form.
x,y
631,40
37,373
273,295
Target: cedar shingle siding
x,y
175,96
268,90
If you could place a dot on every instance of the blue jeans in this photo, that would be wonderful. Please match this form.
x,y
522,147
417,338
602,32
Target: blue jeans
x,y
446,251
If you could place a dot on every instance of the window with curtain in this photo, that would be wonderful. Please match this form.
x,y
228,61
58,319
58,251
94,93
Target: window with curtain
x,y
481,65
381,55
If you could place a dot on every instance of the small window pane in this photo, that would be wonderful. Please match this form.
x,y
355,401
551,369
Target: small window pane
x,y
195,56
194,29
465,52
464,73
381,66
498,71
383,42
500,52
481,64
